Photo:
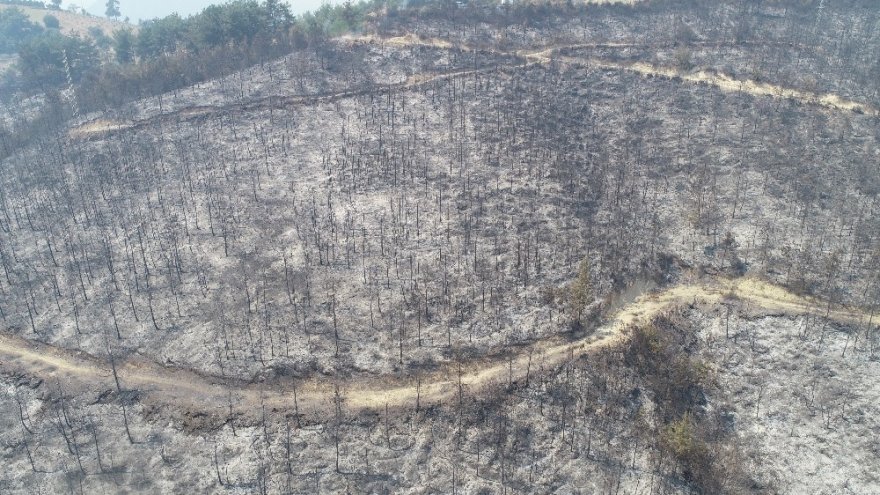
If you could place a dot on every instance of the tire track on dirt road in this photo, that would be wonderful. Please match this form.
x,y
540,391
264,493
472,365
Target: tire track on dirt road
x,y
194,393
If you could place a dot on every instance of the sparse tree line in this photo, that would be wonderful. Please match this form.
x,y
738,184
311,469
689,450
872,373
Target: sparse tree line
x,y
265,27
167,54
54,4
162,55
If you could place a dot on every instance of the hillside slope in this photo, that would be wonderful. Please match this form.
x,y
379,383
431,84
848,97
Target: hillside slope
x,y
387,263
72,23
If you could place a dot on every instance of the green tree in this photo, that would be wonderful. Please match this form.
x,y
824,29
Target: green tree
x,y
41,60
162,36
113,9
244,19
101,40
278,16
210,27
51,22
349,14
16,28
681,439
123,45
56,4
683,58
580,292
241,20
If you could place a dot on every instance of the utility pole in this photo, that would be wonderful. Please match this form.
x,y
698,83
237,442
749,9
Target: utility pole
x,y
819,12
70,87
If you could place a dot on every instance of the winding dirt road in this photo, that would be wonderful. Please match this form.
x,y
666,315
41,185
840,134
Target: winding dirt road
x,y
102,126
189,392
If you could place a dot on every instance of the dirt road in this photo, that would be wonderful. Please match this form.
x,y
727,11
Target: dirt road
x,y
102,126
185,390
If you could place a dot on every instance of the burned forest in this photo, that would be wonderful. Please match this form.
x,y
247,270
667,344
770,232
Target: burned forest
x,y
468,247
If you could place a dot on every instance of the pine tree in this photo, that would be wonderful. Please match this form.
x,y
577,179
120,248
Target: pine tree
x,y
113,9
581,292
